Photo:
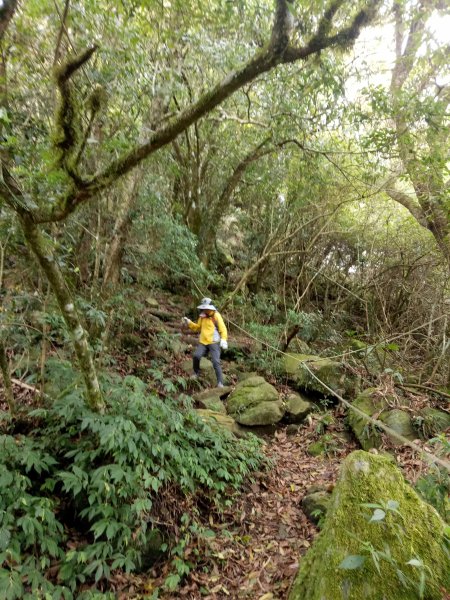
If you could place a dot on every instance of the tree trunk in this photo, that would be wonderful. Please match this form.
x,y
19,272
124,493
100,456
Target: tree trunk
x,y
4,367
114,253
44,254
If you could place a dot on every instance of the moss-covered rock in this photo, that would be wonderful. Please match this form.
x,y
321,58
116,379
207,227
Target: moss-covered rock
x,y
207,373
370,404
401,423
152,302
410,531
213,403
212,399
255,402
315,505
434,421
217,419
327,370
297,408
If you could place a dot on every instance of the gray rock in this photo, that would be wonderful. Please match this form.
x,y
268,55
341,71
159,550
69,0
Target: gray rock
x,y
298,368
219,420
297,408
400,422
435,421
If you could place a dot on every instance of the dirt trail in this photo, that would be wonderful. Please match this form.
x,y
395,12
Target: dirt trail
x,y
258,543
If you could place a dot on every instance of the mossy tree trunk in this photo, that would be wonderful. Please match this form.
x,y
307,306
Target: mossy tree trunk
x,y
43,252
4,368
115,249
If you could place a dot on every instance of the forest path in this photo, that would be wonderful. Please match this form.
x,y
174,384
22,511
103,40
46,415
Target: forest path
x,y
259,540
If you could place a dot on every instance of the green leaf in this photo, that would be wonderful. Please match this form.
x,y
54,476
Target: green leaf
x,y
352,561
392,346
392,504
378,515
415,562
5,537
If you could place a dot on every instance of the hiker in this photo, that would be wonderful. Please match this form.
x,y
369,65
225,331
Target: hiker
x,y
213,337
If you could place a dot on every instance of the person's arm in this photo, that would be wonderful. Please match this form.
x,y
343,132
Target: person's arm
x,y
221,327
195,326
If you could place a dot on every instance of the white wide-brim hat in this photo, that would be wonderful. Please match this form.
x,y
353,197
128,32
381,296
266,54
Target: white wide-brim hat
x,y
206,307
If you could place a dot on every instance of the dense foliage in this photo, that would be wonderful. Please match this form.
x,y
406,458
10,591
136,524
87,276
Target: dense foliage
x,y
274,156
108,485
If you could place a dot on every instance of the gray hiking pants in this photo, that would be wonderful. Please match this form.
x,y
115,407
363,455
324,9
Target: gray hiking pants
x,y
214,352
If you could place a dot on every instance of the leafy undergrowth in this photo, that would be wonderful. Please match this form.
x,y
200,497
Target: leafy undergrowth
x,y
253,549
254,545
84,496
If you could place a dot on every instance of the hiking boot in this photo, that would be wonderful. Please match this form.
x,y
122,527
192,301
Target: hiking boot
x,y
220,384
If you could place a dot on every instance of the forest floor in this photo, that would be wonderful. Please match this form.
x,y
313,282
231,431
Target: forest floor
x,y
259,541
256,544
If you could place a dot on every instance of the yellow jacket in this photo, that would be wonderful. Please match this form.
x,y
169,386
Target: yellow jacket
x,y
212,329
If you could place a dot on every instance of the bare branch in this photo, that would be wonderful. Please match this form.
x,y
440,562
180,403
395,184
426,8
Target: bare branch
x,y
62,28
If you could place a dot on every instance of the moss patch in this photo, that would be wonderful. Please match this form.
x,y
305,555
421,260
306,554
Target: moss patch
x,y
255,402
415,532
368,436
330,372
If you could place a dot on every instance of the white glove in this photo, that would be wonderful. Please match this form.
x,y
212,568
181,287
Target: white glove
x,y
185,321
223,344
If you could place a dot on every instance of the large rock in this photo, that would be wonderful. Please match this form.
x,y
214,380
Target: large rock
x,y
329,371
435,421
212,399
255,402
374,405
406,538
315,505
297,408
369,403
207,373
401,423
220,421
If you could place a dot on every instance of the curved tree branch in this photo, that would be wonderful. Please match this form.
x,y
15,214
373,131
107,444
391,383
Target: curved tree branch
x,y
276,52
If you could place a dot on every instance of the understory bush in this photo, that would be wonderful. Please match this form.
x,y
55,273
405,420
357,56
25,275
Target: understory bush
x,y
433,485
83,494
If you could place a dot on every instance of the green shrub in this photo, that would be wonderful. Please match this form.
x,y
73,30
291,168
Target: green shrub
x,y
110,478
434,485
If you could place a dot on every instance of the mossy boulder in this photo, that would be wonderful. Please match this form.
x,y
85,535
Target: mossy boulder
x,y
315,505
401,423
214,403
212,399
219,420
374,405
329,371
434,421
152,302
255,402
370,404
207,373
297,408
411,530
